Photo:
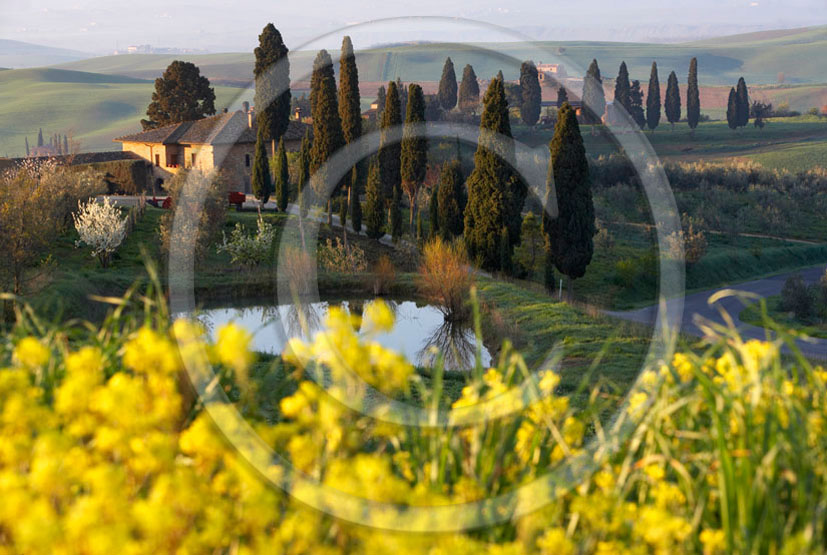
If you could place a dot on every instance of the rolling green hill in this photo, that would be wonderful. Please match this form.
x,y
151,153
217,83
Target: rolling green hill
x,y
93,108
759,57
17,54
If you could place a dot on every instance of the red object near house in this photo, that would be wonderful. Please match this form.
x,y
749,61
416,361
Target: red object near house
x,y
167,203
236,198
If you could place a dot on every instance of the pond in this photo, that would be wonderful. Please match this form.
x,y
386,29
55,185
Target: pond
x,y
418,327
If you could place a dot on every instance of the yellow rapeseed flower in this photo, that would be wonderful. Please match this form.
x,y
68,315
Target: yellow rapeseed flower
x,y
31,353
233,347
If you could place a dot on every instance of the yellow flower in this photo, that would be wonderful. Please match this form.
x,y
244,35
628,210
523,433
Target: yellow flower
x,y
636,404
655,472
31,353
377,317
714,541
233,347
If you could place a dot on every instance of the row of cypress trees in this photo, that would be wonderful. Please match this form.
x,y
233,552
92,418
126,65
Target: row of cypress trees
x,y
737,110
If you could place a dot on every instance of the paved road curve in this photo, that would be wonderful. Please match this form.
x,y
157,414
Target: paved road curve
x,y
696,305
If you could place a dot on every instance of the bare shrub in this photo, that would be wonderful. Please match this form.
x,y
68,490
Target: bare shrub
x,y
340,257
445,277
297,268
200,200
384,274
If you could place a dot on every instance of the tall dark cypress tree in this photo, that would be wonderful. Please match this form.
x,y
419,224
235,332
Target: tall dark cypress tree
x,y
447,93
653,99
327,126
594,98
743,102
451,201
622,88
350,112
530,93
355,204
562,96
272,74
262,182
40,137
672,105
693,96
282,177
490,202
414,155
374,204
469,90
304,173
636,104
403,97
395,215
381,95
570,234
732,109
390,151
27,147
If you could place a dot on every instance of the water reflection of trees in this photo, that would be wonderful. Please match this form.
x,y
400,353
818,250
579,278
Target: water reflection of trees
x,y
301,320
457,344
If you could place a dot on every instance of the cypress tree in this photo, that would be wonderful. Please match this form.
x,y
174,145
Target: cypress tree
x,y
381,95
390,152
395,215
343,206
505,252
304,172
491,185
355,205
570,234
548,267
742,96
672,105
350,110
40,137
594,98
282,177
327,126
419,233
447,93
433,211
65,144
272,75
403,97
530,93
653,99
469,90
732,109
414,153
693,96
636,104
262,182
374,204
622,88
562,96
27,147
451,201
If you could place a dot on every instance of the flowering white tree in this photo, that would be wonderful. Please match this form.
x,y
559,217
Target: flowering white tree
x,y
100,227
249,250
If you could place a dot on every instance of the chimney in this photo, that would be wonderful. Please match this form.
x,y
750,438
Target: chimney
x,y
251,117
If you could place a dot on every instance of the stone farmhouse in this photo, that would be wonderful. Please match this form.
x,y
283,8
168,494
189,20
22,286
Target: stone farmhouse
x,y
226,141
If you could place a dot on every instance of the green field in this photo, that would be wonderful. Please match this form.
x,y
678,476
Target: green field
x,y
92,108
752,315
794,157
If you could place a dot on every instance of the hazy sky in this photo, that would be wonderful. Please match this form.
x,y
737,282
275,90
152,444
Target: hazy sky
x,y
218,25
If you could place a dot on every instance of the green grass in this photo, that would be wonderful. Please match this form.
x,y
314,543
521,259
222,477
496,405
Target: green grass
x,y
712,140
752,315
794,157
92,108
727,261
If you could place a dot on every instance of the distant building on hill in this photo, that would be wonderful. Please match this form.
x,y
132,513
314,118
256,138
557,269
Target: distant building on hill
x,y
226,141
551,72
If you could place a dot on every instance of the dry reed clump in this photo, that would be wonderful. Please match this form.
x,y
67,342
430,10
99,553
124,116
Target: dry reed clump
x,y
297,267
445,277
384,274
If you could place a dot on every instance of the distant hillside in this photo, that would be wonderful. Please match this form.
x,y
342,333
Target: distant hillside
x,y
93,108
760,57
16,54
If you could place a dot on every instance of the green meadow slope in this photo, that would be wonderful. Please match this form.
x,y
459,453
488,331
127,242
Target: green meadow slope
x,y
91,107
759,57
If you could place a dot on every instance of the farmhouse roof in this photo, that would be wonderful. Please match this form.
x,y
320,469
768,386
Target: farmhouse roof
x,y
228,128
